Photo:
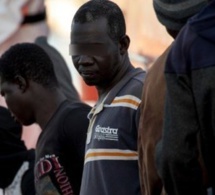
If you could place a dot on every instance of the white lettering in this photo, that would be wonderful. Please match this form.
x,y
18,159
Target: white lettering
x,y
106,130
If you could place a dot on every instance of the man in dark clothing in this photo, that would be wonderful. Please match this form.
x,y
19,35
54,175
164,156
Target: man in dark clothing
x,y
32,94
153,98
16,162
189,112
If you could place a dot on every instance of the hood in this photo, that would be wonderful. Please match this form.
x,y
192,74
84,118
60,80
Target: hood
x,y
204,22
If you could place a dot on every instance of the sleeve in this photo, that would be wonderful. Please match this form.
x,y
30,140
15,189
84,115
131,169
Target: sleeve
x,y
180,171
75,131
177,154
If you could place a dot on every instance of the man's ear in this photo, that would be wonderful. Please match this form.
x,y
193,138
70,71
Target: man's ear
x,y
21,82
124,44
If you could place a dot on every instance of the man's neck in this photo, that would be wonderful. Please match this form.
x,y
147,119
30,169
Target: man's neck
x,y
50,105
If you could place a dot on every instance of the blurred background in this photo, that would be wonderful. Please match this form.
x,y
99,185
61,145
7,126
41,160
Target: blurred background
x,y
148,37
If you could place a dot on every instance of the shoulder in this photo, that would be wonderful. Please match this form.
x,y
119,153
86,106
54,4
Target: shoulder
x,y
77,109
75,117
139,76
135,85
75,125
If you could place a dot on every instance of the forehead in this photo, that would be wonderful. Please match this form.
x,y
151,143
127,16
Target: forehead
x,y
90,32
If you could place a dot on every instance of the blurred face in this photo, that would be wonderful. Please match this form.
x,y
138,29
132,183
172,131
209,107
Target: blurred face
x,y
95,55
16,102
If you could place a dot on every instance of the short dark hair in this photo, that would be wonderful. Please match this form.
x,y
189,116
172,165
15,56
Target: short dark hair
x,y
30,61
96,9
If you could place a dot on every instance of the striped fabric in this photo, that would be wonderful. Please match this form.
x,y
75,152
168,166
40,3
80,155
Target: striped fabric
x,y
110,154
111,158
129,101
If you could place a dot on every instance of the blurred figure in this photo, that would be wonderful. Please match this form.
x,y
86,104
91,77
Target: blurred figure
x,y
21,21
173,15
17,163
61,70
189,111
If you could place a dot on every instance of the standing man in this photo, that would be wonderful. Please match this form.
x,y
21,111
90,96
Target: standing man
x,y
32,93
173,14
190,108
99,49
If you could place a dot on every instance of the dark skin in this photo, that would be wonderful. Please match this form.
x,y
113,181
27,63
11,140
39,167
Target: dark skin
x,y
106,62
20,97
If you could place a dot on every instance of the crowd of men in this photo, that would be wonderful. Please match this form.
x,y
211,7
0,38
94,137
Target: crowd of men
x,y
149,133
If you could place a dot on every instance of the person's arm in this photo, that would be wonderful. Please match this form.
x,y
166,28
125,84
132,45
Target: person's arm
x,y
75,129
177,154
180,170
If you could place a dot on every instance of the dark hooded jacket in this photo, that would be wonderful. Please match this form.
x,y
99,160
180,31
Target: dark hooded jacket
x,y
190,109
